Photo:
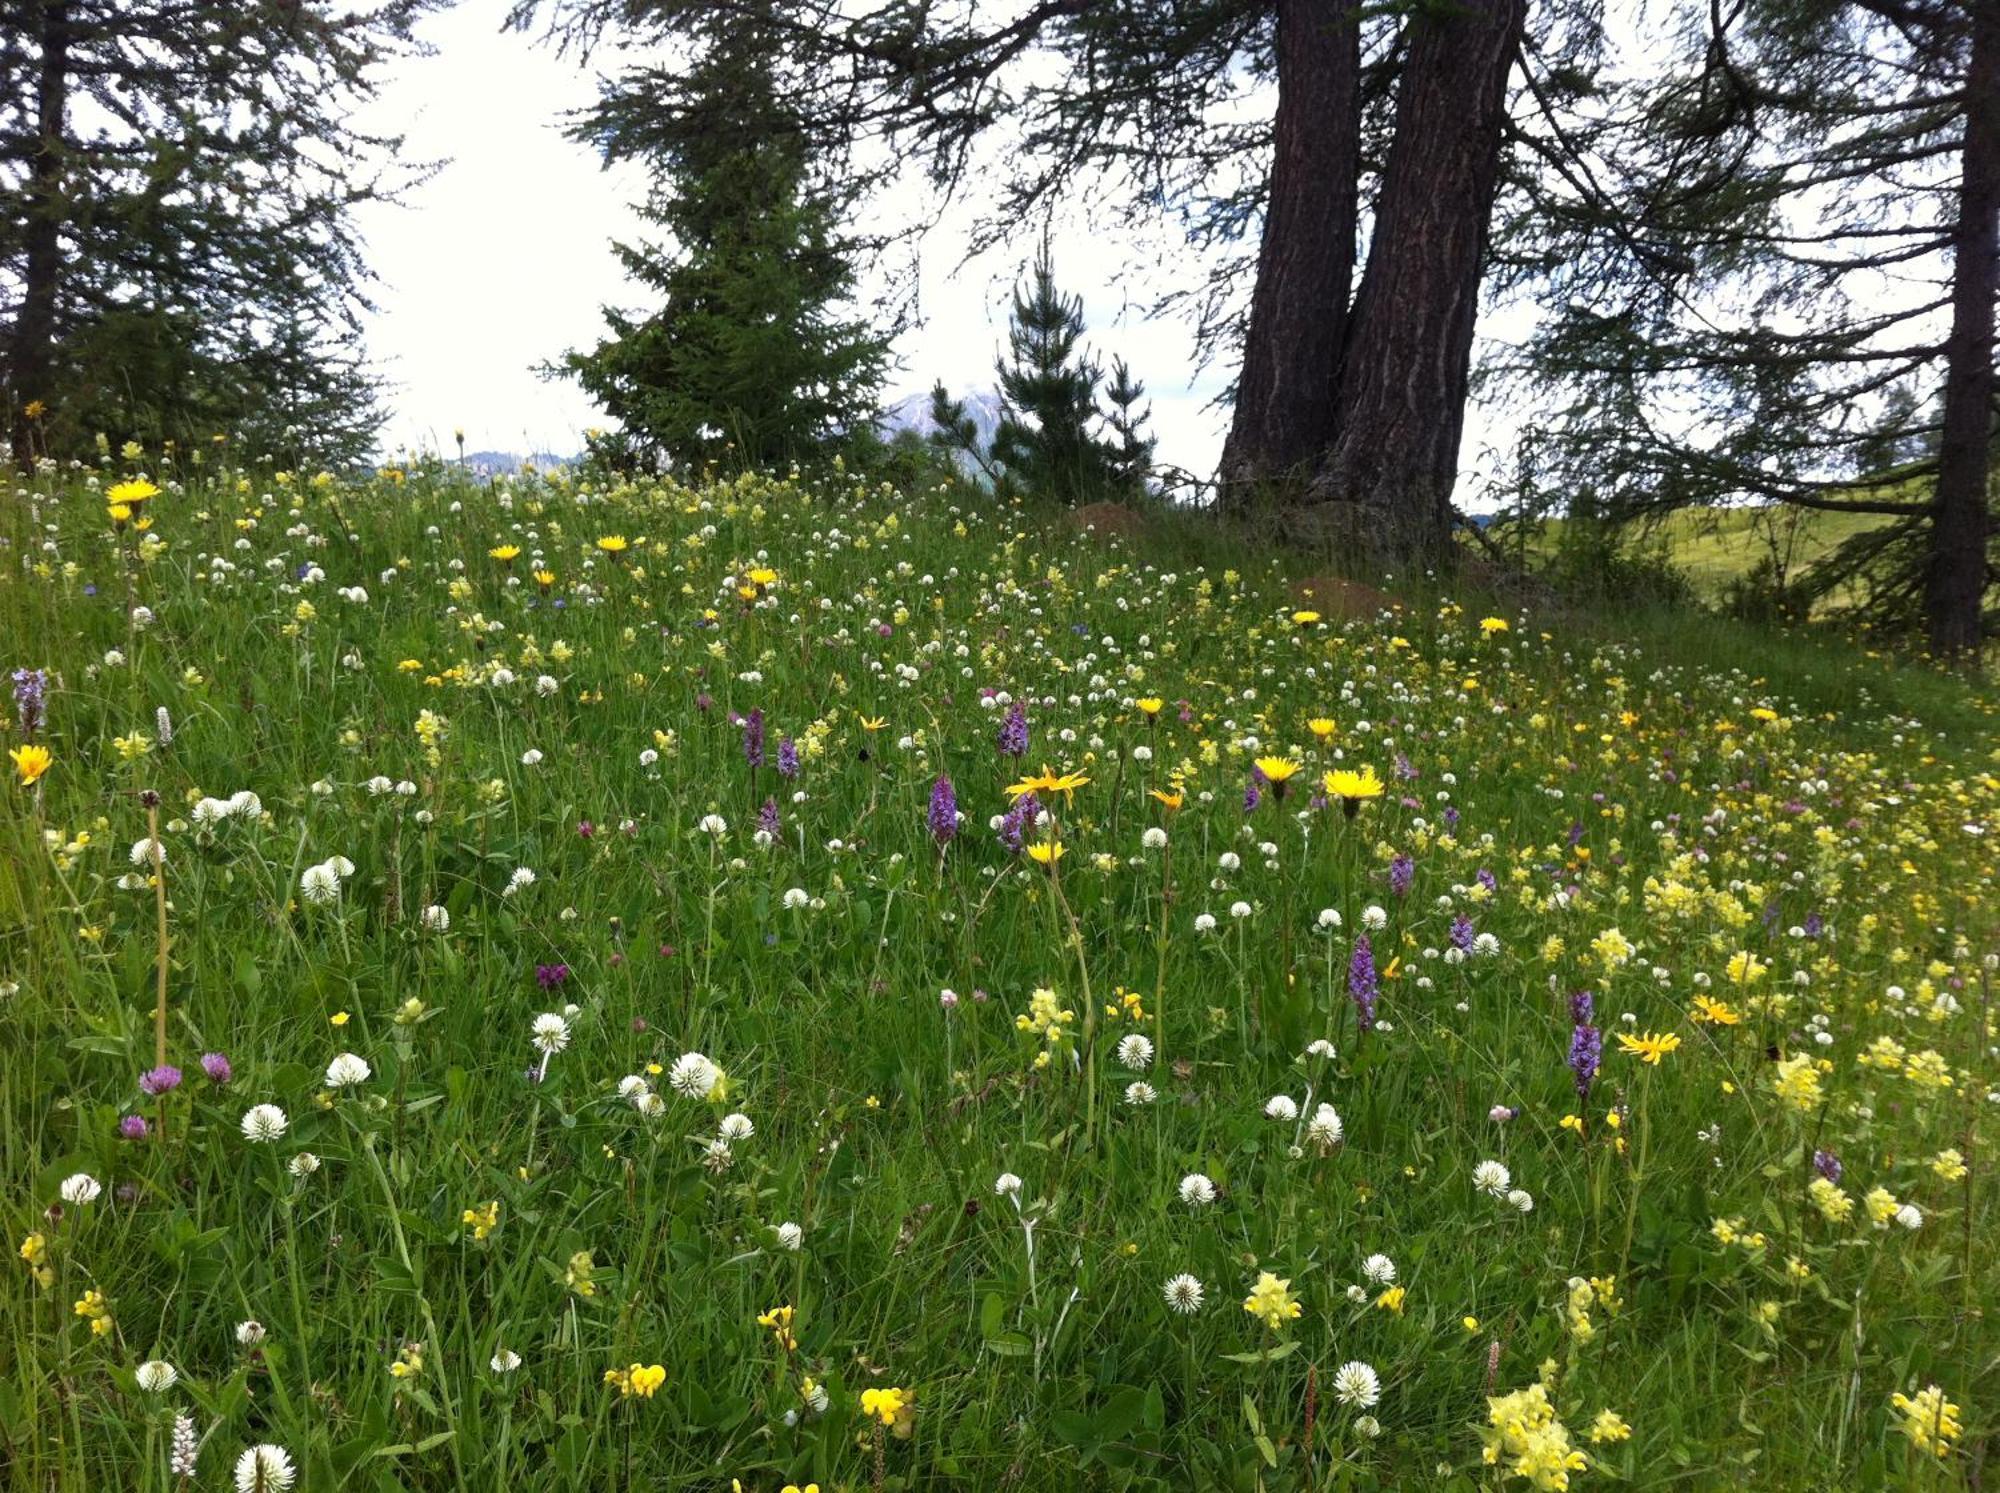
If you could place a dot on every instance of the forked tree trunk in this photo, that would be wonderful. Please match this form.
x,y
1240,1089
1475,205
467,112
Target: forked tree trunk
x,y
1384,490
1955,575
1305,268
31,340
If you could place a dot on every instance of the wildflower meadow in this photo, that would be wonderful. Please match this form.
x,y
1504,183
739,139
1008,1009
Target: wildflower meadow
x,y
800,983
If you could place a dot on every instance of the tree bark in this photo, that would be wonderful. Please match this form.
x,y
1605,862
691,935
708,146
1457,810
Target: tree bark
x,y
1384,489
1305,267
31,349
1955,575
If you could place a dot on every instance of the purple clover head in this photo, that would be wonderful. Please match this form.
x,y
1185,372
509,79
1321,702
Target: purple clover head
x,y
161,1080
216,1066
134,1127
548,976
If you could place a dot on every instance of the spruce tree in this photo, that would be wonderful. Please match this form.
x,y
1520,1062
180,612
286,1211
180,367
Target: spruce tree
x,y
1132,460
178,257
747,354
1045,443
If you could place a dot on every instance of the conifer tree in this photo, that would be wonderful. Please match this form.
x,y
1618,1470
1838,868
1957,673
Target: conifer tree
x,y
1045,443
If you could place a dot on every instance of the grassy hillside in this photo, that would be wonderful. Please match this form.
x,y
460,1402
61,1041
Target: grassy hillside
x,y
798,983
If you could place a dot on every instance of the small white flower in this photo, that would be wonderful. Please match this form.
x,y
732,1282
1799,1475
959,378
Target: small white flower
x,y
550,1033
436,919
249,1332
1135,1052
796,897
736,1127
319,885
714,825
521,879
1329,919
1239,910
1521,1200
1154,838
1139,1094
1374,919
1324,1129
532,757
303,1165
692,1075
1196,1190
1492,1178
1369,1426
791,1237
1910,1216
263,1123
79,1188
1355,1383
148,852
1204,922
156,1376
505,1361
347,1070
717,1156
1007,1185
1281,1107
1379,1269
1183,1293
265,1468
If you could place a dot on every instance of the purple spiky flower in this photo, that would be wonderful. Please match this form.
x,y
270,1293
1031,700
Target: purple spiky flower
x,y
1013,741
1362,984
943,816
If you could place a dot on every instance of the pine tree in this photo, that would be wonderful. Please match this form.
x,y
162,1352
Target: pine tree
x,y
177,251
1132,461
748,355
1045,443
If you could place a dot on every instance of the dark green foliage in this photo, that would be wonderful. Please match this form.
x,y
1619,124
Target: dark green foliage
x,y
748,355
177,253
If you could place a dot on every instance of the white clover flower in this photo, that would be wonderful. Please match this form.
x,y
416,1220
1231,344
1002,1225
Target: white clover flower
x,y
1183,1294
1492,1178
1319,1047
532,757
1324,1129
736,1127
795,897
249,1332
436,919
1379,1269
1135,1052
521,879
79,1188
1521,1200
1356,1383
1374,918
1239,910
550,1033
692,1075
714,825
717,1156
1196,1190
263,1123
1910,1216
504,1361
1329,919
1007,1185
156,1376
791,1237
1204,922
1281,1107
1140,1094
320,885
631,1086
265,1468
347,1070
1154,838
546,685
148,852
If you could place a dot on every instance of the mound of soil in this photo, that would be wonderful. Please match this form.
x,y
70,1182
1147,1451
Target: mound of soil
x,y
1332,596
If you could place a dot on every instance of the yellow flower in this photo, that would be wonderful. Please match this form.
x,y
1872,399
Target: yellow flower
x,y
1151,705
779,1320
118,513
545,578
1046,852
1048,781
1708,1009
614,544
1609,1426
1391,1300
762,576
1352,787
1949,1166
1492,625
30,762
640,1380
873,723
1797,1083
1271,1301
883,1404
409,1362
1305,617
1650,1047
1929,1420
482,1220
337,1020
1278,771
1744,968
1171,801
506,554
132,748
137,491
1320,727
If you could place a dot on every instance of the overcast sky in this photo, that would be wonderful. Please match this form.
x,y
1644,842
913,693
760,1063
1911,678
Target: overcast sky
x,y
503,259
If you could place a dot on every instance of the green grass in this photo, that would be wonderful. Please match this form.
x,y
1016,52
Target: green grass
x,y
1701,789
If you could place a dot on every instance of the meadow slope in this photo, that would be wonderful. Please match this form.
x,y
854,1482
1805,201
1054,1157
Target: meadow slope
x,y
796,983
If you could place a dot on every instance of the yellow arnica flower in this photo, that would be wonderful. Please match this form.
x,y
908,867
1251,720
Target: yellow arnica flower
x,y
1172,801
136,491
614,544
1271,1301
1047,781
882,1404
1354,786
1046,852
1707,1008
1151,705
30,762
506,554
1279,770
1650,1046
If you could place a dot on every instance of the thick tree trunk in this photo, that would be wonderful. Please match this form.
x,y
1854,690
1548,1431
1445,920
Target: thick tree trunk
x,y
1955,576
31,345
1384,489
1305,268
